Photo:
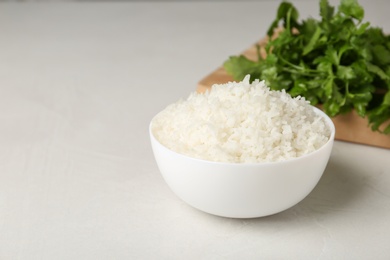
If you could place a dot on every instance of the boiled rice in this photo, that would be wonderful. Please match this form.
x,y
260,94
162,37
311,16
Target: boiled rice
x,y
241,122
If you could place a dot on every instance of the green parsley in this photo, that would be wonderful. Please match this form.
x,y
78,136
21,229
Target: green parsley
x,y
338,61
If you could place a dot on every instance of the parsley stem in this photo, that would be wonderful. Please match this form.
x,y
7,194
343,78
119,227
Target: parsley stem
x,y
303,73
299,68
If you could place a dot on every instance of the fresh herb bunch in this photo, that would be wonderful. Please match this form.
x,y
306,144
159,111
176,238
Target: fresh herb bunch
x,y
338,61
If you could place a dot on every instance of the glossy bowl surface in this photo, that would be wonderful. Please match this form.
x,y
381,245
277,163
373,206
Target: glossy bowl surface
x,y
240,190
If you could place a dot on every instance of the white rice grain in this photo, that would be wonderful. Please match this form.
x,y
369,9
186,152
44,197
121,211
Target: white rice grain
x,y
241,122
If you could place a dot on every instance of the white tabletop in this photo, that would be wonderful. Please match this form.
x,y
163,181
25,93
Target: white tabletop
x,y
79,83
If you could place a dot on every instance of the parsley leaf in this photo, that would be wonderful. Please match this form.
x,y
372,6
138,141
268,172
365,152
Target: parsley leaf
x,y
337,61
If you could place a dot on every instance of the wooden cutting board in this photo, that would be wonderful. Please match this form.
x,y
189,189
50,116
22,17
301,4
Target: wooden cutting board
x,y
350,127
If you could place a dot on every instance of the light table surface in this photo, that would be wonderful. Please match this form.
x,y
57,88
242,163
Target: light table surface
x,y
79,83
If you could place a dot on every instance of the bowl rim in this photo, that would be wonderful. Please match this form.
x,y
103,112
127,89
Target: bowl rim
x,y
328,120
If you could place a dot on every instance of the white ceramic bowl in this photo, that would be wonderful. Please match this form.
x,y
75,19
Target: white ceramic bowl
x,y
242,190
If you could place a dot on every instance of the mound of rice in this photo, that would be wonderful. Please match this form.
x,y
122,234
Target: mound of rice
x,y
241,122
